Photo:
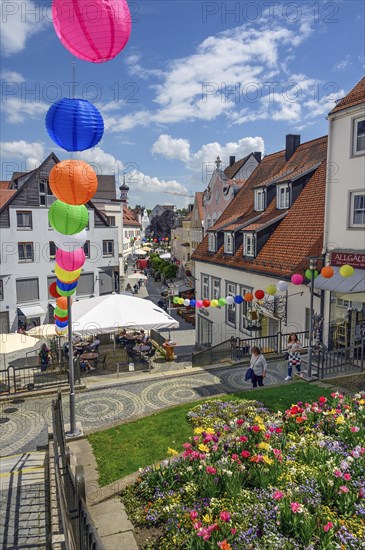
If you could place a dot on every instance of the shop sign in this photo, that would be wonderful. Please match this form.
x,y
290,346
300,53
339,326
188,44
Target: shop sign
x,y
351,258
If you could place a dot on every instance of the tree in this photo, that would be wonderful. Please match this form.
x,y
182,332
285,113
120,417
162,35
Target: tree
x,y
170,271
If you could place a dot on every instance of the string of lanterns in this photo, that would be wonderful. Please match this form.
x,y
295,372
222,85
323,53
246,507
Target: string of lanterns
x,y
94,32
297,279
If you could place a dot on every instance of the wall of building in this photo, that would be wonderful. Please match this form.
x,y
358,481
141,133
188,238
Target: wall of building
x,y
221,330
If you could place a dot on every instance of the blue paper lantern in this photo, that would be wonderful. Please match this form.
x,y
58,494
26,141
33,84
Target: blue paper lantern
x,y
61,324
74,124
238,299
192,303
66,286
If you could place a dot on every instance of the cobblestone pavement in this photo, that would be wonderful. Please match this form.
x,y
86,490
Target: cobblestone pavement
x,y
24,422
23,497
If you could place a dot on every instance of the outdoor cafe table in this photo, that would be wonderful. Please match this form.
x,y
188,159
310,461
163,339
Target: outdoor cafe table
x,y
90,357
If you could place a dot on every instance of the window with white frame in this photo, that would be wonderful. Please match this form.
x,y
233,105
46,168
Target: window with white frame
x,y
205,287
1,289
282,196
228,243
259,200
245,307
52,250
43,192
216,289
211,242
87,249
108,248
111,220
357,209
249,245
359,136
231,310
25,252
24,220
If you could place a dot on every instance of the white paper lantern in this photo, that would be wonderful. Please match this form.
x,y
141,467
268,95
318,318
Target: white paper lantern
x,y
282,285
186,302
69,243
230,300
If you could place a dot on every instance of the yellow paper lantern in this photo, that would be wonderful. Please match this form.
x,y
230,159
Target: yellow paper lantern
x,y
346,270
67,276
214,303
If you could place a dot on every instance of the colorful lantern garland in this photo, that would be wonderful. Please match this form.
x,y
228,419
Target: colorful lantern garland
x,y
282,286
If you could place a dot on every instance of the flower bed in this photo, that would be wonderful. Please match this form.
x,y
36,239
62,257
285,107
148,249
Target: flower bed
x,y
251,479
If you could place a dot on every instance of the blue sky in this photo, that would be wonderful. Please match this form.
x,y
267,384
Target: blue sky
x,y
196,79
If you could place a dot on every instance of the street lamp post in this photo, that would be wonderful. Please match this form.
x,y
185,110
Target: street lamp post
x,y
71,373
312,268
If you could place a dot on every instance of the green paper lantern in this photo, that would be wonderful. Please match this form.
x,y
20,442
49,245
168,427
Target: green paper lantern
x,y
222,302
60,312
308,274
66,292
67,218
271,290
346,270
176,300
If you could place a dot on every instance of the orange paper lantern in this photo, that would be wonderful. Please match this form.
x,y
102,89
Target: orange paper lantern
x,y
73,181
62,302
248,297
327,272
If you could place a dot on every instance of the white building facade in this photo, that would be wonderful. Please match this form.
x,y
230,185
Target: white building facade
x,y
28,253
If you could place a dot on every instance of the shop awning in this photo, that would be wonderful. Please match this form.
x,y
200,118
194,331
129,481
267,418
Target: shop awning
x,y
31,311
343,285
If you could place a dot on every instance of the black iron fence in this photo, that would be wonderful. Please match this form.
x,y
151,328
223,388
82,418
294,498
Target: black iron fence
x,y
237,349
15,379
78,527
327,364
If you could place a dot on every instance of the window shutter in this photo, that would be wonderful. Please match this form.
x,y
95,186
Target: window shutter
x,y
27,290
85,284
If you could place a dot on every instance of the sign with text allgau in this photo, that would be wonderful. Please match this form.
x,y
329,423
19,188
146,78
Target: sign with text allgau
x,y
351,258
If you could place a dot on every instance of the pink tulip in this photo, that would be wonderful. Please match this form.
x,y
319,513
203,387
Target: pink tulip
x,y
225,516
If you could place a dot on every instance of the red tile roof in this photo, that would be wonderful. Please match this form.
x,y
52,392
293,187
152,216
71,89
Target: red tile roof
x,y
199,199
5,195
354,97
128,218
290,244
4,184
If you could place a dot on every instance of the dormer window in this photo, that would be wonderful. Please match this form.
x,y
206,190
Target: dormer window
x,y
282,196
211,242
259,200
228,243
249,245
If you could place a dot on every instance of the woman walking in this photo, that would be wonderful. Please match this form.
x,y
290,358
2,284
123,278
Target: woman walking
x,y
294,360
258,365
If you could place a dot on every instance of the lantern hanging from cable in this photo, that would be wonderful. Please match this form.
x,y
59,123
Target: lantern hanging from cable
x,y
62,303
346,271
214,303
61,324
271,290
61,318
69,261
74,124
192,303
73,181
67,276
69,243
297,279
238,299
199,304
92,31
230,300
259,294
327,272
60,312
308,274
222,302
186,302
282,286
68,219
248,297
66,289
53,291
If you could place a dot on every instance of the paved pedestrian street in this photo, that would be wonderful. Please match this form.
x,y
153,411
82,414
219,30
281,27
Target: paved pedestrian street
x,y
23,498
24,421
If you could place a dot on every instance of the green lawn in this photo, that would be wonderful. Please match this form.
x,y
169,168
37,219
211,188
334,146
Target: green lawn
x,y
122,450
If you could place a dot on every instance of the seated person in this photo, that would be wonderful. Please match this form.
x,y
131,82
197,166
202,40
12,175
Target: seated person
x,y
85,365
95,345
169,345
122,338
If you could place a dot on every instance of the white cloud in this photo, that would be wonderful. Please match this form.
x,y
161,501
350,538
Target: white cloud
x,y
20,20
343,65
172,148
32,154
12,77
17,110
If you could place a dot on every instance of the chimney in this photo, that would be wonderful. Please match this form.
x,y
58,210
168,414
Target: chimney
x,y
258,155
232,160
291,145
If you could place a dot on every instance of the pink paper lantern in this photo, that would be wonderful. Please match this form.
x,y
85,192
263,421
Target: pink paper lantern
x,y
69,261
199,304
94,31
297,279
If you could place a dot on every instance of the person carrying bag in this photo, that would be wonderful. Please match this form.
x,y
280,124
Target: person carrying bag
x,y
258,365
